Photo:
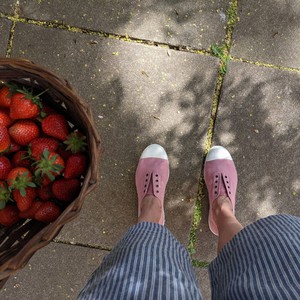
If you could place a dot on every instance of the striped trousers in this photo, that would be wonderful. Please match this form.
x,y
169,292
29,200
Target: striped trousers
x,y
261,262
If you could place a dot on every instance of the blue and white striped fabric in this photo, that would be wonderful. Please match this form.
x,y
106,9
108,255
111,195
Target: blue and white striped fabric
x,y
148,263
261,262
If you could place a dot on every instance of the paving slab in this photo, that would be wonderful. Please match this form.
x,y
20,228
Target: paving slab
x,y
258,121
57,271
268,31
139,95
203,278
7,6
190,23
5,26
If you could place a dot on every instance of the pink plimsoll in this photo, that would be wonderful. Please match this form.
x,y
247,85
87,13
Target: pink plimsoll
x,y
152,175
221,179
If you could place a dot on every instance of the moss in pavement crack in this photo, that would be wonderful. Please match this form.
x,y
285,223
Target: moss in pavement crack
x,y
222,51
200,264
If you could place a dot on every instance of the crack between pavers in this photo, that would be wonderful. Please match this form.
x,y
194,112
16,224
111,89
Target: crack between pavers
x,y
12,31
200,264
81,245
232,16
120,37
264,64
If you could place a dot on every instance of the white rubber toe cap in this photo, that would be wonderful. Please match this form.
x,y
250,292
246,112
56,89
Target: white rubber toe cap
x,y
218,152
154,150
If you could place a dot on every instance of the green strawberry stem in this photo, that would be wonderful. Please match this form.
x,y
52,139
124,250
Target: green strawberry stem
x,y
46,166
29,95
21,182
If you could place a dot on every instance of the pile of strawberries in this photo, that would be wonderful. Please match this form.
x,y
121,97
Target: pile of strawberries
x,y
42,158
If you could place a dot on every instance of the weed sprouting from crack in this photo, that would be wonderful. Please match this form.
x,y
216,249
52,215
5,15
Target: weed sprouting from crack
x,y
200,264
222,53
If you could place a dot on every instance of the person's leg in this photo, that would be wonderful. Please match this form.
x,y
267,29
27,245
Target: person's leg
x,y
151,210
226,221
148,262
260,261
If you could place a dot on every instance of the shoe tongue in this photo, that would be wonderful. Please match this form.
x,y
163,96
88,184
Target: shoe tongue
x,y
150,190
223,190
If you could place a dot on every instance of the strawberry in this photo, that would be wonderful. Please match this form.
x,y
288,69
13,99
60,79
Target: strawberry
x,y
45,192
9,215
24,201
5,96
14,147
5,167
56,126
4,139
66,189
50,165
76,165
21,159
31,211
76,142
48,212
19,177
4,194
23,132
38,145
5,119
24,105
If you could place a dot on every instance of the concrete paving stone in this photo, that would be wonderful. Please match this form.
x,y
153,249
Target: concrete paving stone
x,y
191,23
7,6
258,122
139,95
203,278
268,31
57,271
5,26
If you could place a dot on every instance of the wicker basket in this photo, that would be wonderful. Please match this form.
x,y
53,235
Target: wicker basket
x,y
19,242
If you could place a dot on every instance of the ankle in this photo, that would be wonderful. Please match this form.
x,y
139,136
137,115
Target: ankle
x,y
151,209
222,205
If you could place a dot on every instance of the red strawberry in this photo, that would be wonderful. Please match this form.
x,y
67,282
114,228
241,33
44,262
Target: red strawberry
x,y
76,142
66,189
14,147
76,165
18,177
4,139
31,211
24,105
50,165
45,181
56,126
38,145
48,212
4,194
9,215
45,192
5,119
21,159
24,201
5,96
5,167
23,132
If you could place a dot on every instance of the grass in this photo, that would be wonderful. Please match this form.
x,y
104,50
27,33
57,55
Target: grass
x,y
222,53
